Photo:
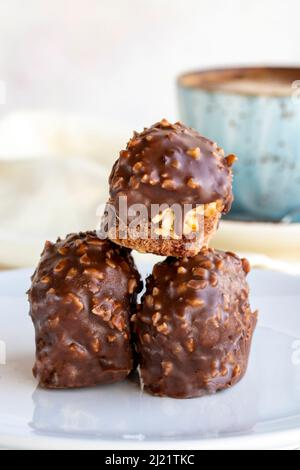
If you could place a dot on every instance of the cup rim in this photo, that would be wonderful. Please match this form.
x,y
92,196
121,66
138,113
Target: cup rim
x,y
202,79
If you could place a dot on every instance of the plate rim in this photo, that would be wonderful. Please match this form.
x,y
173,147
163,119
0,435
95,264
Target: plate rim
x,y
257,439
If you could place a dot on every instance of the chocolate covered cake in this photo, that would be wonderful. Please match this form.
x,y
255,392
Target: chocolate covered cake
x,y
195,325
170,164
82,296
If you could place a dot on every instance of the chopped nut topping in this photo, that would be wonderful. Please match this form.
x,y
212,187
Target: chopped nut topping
x,y
196,302
165,123
194,153
72,299
163,328
85,259
133,318
155,318
110,263
181,289
111,338
118,182
48,245
45,280
60,266
53,322
213,280
132,284
96,345
175,164
71,274
137,167
214,322
181,270
167,367
231,159
145,319
118,322
206,264
192,183
94,273
62,251
168,184
95,242
190,344
77,348
134,182
133,142
51,291
219,264
231,358
200,272
246,265
147,338
149,138
195,284
145,178
81,249
155,291
149,301
102,312
236,371
124,154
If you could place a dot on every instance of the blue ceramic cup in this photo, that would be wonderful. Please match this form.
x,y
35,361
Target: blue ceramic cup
x,y
254,113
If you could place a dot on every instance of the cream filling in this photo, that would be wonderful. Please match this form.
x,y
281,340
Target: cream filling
x,y
193,220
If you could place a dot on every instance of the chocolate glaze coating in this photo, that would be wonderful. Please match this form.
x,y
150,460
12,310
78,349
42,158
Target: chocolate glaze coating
x,y
170,163
195,325
82,295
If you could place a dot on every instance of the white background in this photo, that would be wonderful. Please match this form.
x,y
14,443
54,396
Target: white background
x,y
82,74
118,59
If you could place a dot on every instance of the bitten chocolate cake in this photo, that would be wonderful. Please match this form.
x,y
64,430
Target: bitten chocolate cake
x,y
172,164
195,325
81,299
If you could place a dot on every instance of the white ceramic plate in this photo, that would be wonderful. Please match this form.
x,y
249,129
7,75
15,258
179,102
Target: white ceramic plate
x,y
263,411
277,240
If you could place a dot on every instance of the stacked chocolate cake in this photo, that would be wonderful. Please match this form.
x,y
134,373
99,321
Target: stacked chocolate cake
x,y
191,333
